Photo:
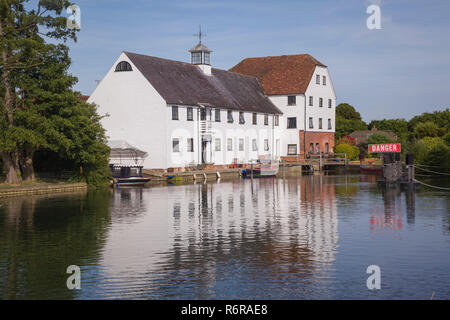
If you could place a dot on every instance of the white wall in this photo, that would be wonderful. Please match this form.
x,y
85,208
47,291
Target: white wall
x,y
325,92
291,136
183,129
136,112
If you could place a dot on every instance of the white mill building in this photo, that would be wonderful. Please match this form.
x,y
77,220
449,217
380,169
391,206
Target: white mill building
x,y
185,114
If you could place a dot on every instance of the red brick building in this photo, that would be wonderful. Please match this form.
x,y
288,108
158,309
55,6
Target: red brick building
x,y
301,87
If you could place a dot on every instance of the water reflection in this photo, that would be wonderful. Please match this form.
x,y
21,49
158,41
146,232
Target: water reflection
x,y
41,236
274,229
292,238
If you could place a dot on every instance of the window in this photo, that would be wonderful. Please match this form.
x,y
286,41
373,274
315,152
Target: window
x,y
241,118
292,123
229,116
317,79
241,144
276,120
329,124
327,148
266,119
203,114
292,100
218,146
207,58
217,115
266,144
292,149
196,57
190,145
190,114
254,145
329,103
320,123
123,66
321,102
311,125
317,148
174,113
324,80
176,145
229,144
311,148
255,118
310,101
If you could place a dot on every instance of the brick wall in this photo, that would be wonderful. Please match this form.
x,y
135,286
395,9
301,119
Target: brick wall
x,y
316,137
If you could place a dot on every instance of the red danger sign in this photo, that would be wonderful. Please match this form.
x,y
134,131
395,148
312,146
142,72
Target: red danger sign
x,y
378,148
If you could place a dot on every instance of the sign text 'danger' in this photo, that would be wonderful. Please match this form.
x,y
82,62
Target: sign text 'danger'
x,y
375,148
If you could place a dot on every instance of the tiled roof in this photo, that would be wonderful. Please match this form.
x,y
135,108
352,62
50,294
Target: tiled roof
x,y
289,74
185,84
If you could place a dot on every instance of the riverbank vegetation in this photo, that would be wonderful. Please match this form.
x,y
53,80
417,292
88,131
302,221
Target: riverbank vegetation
x,y
44,126
426,136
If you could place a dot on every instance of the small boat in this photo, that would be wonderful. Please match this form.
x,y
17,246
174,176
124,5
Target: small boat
x,y
371,170
126,164
263,168
128,175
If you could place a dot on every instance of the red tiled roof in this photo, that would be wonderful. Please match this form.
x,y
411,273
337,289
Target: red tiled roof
x,y
289,74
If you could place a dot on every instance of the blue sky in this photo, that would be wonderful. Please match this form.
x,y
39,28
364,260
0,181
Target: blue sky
x,y
397,72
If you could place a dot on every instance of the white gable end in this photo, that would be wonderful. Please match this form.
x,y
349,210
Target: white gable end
x,y
132,106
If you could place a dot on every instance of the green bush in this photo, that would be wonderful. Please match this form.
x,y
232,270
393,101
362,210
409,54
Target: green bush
x,y
431,142
352,152
426,129
439,156
446,138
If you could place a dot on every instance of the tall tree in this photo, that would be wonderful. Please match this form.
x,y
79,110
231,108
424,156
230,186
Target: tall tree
x,y
22,48
348,120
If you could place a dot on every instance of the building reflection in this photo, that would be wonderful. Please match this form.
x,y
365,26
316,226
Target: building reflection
x,y
275,228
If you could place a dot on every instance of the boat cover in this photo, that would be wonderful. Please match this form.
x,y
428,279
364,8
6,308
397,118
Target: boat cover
x,y
121,149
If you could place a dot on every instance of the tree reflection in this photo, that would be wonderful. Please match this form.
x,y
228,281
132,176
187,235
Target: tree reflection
x,y
41,236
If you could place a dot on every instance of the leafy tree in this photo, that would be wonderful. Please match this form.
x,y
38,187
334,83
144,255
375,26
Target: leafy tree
x,y
439,156
446,138
426,129
348,112
440,118
43,112
345,127
22,48
398,126
378,138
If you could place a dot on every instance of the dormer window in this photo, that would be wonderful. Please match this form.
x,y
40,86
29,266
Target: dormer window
x,y
123,66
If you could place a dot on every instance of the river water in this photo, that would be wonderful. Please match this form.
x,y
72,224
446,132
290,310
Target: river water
x,y
310,237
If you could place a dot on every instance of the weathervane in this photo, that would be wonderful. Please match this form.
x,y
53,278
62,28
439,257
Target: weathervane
x,y
200,34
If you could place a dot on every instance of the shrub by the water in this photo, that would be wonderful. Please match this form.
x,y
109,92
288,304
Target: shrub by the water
x,y
351,151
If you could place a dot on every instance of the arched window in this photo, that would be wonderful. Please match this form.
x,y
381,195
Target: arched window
x,y
327,148
123,66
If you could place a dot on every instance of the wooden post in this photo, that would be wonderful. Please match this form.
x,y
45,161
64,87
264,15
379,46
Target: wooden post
x,y
251,168
320,161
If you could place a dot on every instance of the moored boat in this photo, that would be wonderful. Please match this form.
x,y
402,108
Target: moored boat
x,y
371,170
263,168
128,175
125,164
